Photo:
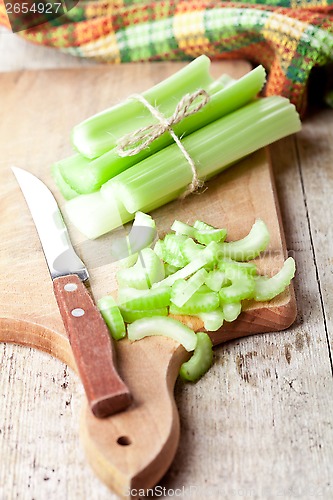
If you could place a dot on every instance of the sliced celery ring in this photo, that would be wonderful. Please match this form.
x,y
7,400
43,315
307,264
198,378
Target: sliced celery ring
x,y
201,360
167,327
130,315
249,247
112,317
183,290
268,288
212,320
231,311
147,270
242,286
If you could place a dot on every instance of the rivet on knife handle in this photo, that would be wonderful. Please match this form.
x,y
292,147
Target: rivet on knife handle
x,y
88,334
92,347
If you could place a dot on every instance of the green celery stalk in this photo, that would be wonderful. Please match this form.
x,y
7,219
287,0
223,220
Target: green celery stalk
x,y
166,174
85,175
99,133
212,149
94,215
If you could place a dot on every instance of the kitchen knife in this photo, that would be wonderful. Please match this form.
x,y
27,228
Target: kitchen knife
x,y
88,334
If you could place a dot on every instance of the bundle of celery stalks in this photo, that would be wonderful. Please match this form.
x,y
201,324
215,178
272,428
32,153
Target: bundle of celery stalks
x,y
104,190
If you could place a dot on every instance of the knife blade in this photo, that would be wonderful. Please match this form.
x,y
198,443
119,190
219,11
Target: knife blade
x,y
88,334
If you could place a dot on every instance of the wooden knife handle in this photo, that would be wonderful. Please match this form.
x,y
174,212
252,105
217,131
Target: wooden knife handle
x,y
92,347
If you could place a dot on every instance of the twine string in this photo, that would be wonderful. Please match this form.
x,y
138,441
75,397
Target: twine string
x,y
134,142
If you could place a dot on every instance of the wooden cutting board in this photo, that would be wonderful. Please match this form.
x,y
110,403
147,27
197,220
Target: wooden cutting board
x,y
38,111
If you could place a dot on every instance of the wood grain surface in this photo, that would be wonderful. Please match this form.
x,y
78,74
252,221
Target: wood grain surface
x,y
271,423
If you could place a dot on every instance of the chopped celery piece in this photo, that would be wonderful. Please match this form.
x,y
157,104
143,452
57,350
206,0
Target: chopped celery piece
x,y
215,279
241,287
112,317
153,265
249,247
128,261
212,320
168,327
99,133
183,290
201,360
128,293
133,277
171,250
147,270
247,267
170,269
190,249
205,233
182,228
200,301
203,226
142,234
231,311
268,288
206,236
207,255
158,248
130,315
154,298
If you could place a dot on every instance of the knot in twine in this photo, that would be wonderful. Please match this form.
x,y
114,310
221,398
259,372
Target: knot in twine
x,y
134,142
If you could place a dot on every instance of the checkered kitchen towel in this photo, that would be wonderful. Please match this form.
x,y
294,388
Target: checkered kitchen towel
x,y
288,37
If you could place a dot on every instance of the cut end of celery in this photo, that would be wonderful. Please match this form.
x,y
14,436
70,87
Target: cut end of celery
x,y
94,215
65,189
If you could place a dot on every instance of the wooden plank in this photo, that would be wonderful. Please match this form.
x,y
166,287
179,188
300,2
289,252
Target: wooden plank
x,y
316,179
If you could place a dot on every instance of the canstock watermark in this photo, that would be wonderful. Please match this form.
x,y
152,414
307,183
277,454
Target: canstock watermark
x,y
194,492
26,14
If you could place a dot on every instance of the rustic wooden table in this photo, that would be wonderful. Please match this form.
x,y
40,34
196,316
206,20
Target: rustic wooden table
x,y
271,394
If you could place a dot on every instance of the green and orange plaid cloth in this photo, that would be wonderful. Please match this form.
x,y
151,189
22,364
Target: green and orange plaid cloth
x,y
288,37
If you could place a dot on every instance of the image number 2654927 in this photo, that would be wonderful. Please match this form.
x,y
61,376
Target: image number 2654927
x,y
26,14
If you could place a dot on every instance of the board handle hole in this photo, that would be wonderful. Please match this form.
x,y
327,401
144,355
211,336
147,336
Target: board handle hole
x,y
124,441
